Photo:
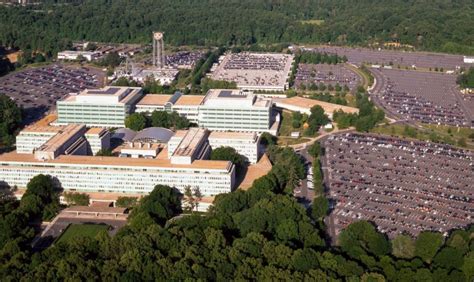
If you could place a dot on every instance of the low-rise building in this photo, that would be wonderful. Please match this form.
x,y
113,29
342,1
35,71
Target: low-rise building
x,y
76,55
304,105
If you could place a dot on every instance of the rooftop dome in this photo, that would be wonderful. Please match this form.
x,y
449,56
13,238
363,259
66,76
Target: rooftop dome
x,y
124,134
154,134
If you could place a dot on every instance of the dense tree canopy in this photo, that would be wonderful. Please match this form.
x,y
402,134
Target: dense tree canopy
x,y
136,121
466,80
436,25
10,119
228,154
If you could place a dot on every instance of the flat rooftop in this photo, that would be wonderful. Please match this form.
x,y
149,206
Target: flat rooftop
x,y
61,137
190,143
13,157
42,129
306,103
233,135
154,100
228,94
109,94
234,98
191,100
95,130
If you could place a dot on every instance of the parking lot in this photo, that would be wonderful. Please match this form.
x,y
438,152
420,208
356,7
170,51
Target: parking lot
x,y
326,74
254,70
424,97
403,186
38,89
184,59
359,56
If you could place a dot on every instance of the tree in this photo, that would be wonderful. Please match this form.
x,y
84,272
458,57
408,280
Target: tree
x,y
43,187
228,154
466,79
266,139
315,149
449,258
317,119
161,204
427,245
104,152
112,59
197,196
320,207
189,199
10,118
403,246
136,121
79,199
126,202
360,238
160,119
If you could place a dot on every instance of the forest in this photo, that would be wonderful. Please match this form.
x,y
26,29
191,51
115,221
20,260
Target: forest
x,y
437,25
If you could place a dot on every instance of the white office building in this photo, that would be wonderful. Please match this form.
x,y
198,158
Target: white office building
x,y
76,55
235,110
245,143
185,105
106,107
118,175
33,137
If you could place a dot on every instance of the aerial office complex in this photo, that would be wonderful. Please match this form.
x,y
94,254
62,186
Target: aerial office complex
x,y
219,109
66,157
107,107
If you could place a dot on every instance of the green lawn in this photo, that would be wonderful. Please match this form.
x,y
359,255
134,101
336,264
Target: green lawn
x,y
444,134
81,230
286,141
285,127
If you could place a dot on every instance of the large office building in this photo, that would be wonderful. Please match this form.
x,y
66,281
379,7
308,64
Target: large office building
x,y
118,175
235,110
106,107
64,152
218,110
184,105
